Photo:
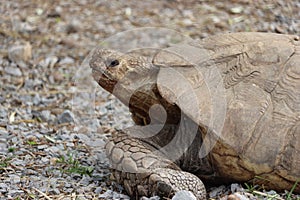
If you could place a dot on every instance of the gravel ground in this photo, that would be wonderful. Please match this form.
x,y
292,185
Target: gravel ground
x,y
54,119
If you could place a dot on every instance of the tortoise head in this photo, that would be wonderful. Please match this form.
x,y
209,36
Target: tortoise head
x,y
109,66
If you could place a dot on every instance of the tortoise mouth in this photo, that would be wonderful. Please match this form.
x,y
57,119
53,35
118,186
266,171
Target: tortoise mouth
x,y
104,81
99,74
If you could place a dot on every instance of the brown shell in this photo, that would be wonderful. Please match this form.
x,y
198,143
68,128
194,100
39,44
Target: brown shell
x,y
245,88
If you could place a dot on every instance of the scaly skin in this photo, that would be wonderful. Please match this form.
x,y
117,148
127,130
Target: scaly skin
x,y
144,172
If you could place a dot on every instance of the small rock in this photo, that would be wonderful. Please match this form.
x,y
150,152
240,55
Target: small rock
x,y
55,191
217,191
52,149
36,99
236,10
44,115
66,61
3,140
41,147
14,178
187,22
97,190
49,61
20,54
32,83
236,188
14,193
151,198
3,187
66,117
2,99
183,194
45,159
271,192
15,71
70,144
3,146
18,162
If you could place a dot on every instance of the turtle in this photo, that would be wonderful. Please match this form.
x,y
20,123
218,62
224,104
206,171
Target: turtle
x,y
218,110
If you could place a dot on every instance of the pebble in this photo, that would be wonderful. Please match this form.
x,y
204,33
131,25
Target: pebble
x,y
66,117
98,190
217,191
235,187
49,61
20,54
18,162
3,140
45,160
13,193
151,198
53,149
3,188
66,61
183,194
15,71
14,179
42,147
44,115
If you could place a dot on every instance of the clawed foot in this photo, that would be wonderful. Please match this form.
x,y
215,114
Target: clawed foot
x,y
166,182
143,173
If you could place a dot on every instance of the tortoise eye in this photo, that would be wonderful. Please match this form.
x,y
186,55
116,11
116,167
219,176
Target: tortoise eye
x,y
114,63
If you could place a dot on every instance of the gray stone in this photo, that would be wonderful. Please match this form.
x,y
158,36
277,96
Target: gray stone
x,y
55,191
235,187
44,115
14,178
66,117
67,60
31,83
3,187
98,190
36,99
49,62
217,191
45,159
53,149
3,147
41,147
15,71
183,194
18,162
151,198
2,99
14,193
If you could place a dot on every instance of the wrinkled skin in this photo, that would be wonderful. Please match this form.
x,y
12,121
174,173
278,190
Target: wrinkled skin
x,y
260,135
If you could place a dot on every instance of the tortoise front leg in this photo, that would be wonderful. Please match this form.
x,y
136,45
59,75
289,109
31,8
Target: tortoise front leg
x,y
145,173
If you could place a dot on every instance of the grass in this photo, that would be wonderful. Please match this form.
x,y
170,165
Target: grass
x,y
31,142
72,165
255,190
4,164
289,196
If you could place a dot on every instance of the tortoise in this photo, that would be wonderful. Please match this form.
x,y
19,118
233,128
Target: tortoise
x,y
222,109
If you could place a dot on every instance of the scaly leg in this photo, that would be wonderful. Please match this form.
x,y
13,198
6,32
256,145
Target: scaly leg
x,y
143,171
